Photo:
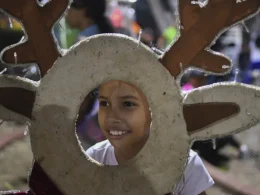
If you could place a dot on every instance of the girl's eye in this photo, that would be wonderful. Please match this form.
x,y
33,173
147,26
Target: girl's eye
x,y
103,103
129,104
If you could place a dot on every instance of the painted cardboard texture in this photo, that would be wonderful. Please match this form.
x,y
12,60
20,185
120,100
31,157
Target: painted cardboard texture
x,y
51,107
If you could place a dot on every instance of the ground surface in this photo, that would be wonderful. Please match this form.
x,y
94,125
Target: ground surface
x,y
15,159
246,171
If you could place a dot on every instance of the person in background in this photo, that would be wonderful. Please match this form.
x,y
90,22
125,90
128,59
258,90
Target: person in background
x,y
253,73
195,79
89,17
145,19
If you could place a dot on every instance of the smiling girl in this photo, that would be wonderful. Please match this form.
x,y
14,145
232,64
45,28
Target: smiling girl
x,y
125,118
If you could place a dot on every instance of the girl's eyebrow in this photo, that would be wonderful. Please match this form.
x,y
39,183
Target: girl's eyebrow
x,y
102,97
128,97
120,97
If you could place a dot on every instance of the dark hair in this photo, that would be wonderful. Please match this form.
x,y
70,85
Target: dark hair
x,y
95,9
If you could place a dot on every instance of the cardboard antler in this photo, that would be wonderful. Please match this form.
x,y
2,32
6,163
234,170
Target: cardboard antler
x,y
242,114
40,48
199,27
38,22
17,97
209,113
18,100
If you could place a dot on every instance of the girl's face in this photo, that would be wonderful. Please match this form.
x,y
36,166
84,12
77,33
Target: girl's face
x,y
124,115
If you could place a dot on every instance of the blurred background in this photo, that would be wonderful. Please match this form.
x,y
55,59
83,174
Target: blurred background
x,y
156,20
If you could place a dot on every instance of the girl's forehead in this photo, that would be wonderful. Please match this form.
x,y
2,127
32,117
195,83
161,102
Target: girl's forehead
x,y
120,88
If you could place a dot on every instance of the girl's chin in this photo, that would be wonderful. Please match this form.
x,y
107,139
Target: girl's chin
x,y
119,143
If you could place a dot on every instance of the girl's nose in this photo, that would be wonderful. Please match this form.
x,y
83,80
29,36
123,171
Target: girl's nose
x,y
113,116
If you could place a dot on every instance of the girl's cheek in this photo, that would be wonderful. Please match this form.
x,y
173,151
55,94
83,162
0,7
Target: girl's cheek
x,y
101,119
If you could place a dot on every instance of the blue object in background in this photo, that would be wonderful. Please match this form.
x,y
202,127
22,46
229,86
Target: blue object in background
x,y
253,66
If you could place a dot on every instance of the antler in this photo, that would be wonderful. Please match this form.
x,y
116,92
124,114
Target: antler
x,y
237,107
200,26
17,97
210,113
38,22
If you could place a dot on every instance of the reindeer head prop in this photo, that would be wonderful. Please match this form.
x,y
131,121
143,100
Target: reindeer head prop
x,y
177,120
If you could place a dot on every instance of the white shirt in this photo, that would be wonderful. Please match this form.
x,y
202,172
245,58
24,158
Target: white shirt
x,y
196,178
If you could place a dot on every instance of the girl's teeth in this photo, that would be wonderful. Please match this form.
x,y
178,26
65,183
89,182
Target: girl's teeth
x,y
117,132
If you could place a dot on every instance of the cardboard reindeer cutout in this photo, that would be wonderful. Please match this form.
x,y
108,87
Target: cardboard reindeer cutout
x,y
51,108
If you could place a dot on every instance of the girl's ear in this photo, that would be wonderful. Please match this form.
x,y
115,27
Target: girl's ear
x,y
221,109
